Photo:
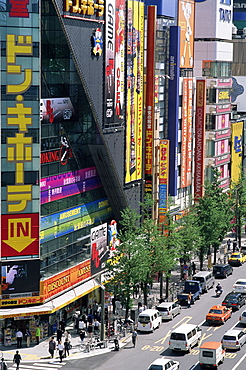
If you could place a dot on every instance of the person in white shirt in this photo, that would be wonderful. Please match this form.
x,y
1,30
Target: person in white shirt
x,y
19,336
60,348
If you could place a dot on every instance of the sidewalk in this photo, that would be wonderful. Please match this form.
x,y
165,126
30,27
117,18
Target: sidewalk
x,y
40,352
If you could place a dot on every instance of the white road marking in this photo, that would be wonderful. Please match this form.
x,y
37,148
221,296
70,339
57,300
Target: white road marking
x,y
239,362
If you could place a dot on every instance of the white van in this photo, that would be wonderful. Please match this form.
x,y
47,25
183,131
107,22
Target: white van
x,y
149,320
211,354
185,337
206,280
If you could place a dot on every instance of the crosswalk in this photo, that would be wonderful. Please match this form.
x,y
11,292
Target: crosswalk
x,y
37,366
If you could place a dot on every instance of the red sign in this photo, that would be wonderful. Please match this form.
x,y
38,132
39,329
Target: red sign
x,y
56,155
199,137
66,279
20,235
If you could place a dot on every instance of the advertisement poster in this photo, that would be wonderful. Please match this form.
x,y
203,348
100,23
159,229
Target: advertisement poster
x,y
134,116
20,278
236,150
115,63
163,179
99,248
186,16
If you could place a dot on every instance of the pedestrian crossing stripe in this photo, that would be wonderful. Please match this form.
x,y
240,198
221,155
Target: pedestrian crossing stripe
x,y
38,366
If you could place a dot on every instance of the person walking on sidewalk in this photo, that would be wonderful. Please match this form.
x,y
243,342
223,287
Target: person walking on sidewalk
x,y
3,365
66,347
38,334
228,244
52,347
189,300
17,359
134,337
60,348
19,336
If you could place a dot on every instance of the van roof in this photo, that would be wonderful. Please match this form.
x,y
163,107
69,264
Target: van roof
x,y
202,273
150,311
210,345
184,328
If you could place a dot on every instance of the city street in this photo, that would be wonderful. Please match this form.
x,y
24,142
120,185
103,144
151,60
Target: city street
x,y
150,346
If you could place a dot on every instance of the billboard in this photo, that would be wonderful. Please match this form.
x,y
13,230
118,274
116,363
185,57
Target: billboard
x,y
236,151
150,104
173,108
114,63
163,179
20,117
186,16
186,144
57,110
99,248
134,91
199,151
64,280
20,278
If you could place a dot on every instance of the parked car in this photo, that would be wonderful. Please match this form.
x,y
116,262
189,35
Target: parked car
x,y
168,310
240,286
164,364
242,318
233,339
211,354
222,271
218,314
237,259
234,300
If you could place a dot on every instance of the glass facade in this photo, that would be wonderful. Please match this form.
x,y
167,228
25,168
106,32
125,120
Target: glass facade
x,y
74,198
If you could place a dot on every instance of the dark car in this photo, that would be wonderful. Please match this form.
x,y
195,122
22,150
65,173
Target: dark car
x,y
234,300
222,271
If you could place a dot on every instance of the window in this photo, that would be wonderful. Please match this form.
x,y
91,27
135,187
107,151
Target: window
x,y
207,354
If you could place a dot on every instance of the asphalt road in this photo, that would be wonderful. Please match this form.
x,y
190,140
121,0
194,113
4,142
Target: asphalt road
x,y
151,346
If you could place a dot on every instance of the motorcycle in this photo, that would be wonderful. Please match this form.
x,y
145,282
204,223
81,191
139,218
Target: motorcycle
x,y
218,292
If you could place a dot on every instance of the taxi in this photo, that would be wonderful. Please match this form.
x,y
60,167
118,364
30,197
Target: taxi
x,y
237,259
218,314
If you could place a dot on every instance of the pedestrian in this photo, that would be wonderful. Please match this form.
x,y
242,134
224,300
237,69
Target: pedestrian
x,y
234,246
84,318
90,330
81,325
52,347
17,359
62,326
38,332
28,337
3,365
189,299
66,347
82,335
193,266
19,336
59,334
228,244
96,327
60,348
134,337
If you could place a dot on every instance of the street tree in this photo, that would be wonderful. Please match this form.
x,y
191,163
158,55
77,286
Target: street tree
x,y
214,212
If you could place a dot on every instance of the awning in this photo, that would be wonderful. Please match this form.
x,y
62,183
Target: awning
x,y
53,305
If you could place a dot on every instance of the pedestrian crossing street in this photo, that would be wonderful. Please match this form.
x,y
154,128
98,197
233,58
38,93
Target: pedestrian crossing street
x,y
37,366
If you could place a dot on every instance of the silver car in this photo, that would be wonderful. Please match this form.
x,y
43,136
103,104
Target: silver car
x,y
168,310
242,318
233,339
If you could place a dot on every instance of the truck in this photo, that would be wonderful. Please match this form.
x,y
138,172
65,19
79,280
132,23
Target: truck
x,y
193,287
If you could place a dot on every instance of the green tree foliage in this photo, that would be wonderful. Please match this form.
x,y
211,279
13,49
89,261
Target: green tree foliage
x,y
214,211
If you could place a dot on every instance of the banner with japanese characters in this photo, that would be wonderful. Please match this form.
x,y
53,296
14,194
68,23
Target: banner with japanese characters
x,y
20,120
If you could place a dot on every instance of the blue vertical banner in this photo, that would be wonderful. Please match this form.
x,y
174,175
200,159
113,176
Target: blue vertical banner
x,y
173,107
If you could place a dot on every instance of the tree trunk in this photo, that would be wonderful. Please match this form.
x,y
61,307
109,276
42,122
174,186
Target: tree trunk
x,y
145,292
161,283
201,259
167,286
215,251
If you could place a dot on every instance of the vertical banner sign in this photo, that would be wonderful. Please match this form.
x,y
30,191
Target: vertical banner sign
x,y
20,110
150,90
236,151
99,248
199,138
189,132
114,63
186,144
134,93
173,108
163,179
186,16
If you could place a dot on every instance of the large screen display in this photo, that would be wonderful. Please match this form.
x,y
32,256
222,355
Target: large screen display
x,y
20,278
